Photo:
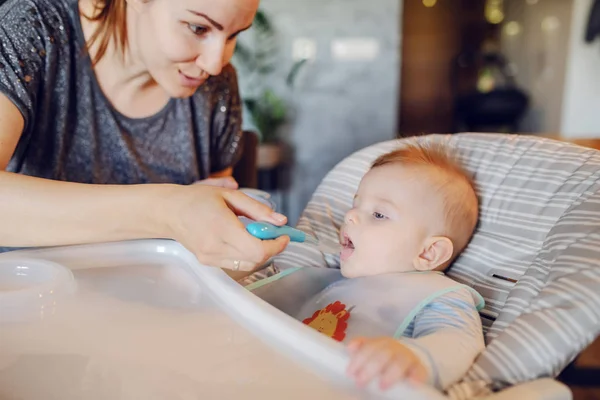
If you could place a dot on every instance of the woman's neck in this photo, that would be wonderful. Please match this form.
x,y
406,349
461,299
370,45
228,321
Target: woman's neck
x,y
123,78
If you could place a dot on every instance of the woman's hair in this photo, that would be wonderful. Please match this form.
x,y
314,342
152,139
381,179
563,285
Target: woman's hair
x,y
111,19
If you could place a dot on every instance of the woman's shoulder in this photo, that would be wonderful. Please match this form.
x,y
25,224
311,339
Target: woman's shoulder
x,y
35,37
28,11
41,22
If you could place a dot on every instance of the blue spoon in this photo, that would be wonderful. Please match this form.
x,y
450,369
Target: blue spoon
x,y
266,231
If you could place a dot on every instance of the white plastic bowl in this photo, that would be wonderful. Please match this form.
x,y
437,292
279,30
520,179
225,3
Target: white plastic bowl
x,y
29,288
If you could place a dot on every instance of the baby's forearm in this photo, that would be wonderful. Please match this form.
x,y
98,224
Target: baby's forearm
x,y
447,355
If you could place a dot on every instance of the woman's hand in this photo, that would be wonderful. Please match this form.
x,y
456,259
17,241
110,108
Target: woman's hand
x,y
227,182
204,219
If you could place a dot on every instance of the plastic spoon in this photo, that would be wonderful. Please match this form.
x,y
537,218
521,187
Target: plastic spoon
x,y
266,231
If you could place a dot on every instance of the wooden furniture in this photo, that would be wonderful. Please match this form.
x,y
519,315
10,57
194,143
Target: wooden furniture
x,y
593,143
432,37
245,171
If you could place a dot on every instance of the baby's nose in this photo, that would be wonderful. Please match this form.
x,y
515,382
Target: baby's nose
x,y
351,217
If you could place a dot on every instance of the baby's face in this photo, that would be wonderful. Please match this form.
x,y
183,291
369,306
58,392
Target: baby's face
x,y
395,210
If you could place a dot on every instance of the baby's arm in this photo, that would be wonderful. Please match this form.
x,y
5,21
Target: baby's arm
x,y
447,336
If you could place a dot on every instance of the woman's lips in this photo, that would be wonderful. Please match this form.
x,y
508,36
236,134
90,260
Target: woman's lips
x,y
190,81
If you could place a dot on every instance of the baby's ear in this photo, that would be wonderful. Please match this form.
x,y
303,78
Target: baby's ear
x,y
437,251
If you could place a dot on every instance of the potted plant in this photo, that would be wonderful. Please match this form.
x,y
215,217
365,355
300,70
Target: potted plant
x,y
266,111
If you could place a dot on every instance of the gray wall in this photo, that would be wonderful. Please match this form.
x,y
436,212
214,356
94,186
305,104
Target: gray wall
x,y
582,85
339,106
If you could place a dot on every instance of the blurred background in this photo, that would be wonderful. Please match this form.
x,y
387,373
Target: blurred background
x,y
322,79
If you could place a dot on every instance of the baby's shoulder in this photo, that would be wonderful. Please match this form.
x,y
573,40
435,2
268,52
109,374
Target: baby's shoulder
x,y
460,299
452,292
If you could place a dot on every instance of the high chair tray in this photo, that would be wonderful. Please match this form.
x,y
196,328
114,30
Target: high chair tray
x,y
145,320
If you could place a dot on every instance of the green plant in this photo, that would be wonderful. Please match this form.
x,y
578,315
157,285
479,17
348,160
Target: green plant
x,y
257,59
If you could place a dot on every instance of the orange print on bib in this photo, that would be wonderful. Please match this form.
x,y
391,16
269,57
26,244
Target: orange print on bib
x,y
331,320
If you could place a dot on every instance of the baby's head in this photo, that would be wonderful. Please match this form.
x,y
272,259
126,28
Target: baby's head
x,y
415,210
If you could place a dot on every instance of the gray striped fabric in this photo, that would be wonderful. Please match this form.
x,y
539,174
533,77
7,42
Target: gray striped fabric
x,y
539,227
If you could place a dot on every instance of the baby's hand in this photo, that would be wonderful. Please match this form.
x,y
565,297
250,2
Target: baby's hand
x,y
385,358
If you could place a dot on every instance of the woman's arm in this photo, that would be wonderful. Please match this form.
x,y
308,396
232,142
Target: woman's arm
x,y
40,212
11,126
222,179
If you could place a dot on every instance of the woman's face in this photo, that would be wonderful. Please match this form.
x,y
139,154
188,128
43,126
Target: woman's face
x,y
183,42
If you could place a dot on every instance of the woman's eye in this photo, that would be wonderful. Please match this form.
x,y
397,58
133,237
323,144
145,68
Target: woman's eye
x,y
379,215
197,29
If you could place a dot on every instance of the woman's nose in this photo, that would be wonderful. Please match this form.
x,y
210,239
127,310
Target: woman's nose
x,y
211,57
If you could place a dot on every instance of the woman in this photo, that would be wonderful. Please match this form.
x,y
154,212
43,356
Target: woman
x,y
97,98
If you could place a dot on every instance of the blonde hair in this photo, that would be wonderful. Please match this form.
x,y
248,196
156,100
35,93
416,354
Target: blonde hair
x,y
111,16
461,206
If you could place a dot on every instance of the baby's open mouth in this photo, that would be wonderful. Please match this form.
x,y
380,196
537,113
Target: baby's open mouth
x,y
347,247
347,242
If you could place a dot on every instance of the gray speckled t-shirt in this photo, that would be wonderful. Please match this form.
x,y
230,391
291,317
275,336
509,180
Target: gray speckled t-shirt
x,y
73,133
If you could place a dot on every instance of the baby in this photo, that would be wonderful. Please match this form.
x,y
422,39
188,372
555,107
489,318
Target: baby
x,y
413,214
390,303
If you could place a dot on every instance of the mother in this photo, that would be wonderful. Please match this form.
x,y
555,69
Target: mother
x,y
99,97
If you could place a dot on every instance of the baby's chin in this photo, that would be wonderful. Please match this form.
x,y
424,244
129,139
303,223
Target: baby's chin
x,y
349,272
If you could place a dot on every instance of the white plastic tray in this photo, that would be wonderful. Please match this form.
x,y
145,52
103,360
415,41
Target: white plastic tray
x,y
145,320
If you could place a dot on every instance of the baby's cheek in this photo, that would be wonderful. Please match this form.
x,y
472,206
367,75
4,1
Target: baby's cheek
x,y
395,257
385,248
377,243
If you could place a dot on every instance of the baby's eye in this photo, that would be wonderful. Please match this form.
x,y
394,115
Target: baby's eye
x,y
197,29
379,215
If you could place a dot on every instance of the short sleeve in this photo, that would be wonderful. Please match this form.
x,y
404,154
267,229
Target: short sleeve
x,y
447,337
227,123
28,35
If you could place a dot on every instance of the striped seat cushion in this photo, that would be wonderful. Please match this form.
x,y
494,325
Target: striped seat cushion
x,y
534,256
